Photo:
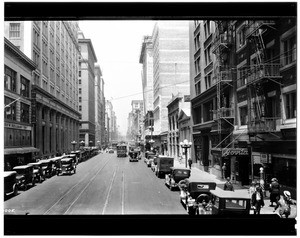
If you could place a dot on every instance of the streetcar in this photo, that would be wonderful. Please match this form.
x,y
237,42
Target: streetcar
x,y
121,150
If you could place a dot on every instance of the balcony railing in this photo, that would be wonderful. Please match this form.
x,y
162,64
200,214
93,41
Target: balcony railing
x,y
254,26
221,40
223,112
263,71
257,72
264,125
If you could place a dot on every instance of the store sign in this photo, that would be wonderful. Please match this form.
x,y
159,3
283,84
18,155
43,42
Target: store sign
x,y
17,126
235,152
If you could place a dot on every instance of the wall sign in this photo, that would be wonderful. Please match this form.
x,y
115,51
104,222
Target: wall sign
x,y
235,152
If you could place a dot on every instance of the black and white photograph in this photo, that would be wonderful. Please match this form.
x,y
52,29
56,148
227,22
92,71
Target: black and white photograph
x,y
162,118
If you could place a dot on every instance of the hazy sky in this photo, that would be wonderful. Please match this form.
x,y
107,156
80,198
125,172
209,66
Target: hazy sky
x,y
117,45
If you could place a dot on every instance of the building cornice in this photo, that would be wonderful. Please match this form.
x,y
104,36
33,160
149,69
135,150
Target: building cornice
x,y
10,46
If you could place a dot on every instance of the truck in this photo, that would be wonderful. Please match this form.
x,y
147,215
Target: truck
x,y
164,164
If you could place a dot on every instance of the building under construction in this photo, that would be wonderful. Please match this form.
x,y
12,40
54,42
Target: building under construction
x,y
243,99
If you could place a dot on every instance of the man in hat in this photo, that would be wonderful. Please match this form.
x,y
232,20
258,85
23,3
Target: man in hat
x,y
274,191
228,185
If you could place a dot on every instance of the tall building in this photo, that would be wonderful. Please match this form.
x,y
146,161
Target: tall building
x,y
18,131
244,99
87,98
170,71
99,106
53,47
146,59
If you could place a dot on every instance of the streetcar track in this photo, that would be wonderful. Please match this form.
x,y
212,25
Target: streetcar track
x,y
109,190
123,191
71,189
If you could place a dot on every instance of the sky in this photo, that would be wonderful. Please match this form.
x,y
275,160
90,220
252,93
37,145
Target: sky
x,y
117,45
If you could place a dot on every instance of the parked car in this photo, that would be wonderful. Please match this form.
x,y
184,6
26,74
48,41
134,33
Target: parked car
x,y
192,190
56,161
164,164
150,159
78,154
46,165
147,154
38,171
226,202
68,165
25,176
176,174
10,183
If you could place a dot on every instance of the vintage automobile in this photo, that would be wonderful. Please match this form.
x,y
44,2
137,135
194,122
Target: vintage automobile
x,y
73,156
154,164
56,161
68,165
177,174
38,171
10,183
121,150
147,153
191,191
133,155
46,165
78,154
164,164
25,176
150,159
226,202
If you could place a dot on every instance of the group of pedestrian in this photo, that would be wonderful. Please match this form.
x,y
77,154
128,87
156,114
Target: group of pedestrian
x,y
282,202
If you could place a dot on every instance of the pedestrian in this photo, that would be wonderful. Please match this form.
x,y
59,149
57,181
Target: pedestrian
x,y
257,200
224,171
284,204
228,185
190,162
252,188
274,191
183,186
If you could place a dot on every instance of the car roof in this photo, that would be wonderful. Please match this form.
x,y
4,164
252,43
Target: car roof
x,y
230,194
164,156
36,163
8,173
23,166
66,159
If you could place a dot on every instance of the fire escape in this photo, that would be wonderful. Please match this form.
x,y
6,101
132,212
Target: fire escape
x,y
224,75
260,75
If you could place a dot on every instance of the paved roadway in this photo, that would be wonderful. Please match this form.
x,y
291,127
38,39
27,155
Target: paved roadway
x,y
104,184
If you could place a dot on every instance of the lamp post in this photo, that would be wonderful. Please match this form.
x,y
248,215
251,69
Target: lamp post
x,y
151,143
185,145
74,144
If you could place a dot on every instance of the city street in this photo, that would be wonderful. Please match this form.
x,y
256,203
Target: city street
x,y
105,184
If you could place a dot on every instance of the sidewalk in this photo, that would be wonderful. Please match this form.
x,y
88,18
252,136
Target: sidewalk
x,y
197,174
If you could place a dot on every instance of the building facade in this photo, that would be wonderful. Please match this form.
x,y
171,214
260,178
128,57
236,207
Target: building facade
x,y
53,47
245,115
146,59
170,70
176,107
86,95
18,131
99,107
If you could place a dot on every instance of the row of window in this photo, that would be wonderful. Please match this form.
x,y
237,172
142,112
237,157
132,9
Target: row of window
x,y
10,112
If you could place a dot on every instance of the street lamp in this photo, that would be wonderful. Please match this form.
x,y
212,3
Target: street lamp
x,y
151,143
74,144
185,145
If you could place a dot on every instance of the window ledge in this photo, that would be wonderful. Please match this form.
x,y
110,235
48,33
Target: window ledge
x,y
242,47
288,66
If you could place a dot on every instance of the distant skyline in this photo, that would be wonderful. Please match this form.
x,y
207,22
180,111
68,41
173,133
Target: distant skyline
x,y
117,45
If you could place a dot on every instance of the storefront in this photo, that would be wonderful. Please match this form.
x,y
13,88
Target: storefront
x,y
237,164
19,156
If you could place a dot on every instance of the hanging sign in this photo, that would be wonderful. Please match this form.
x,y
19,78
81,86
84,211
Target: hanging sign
x,y
235,152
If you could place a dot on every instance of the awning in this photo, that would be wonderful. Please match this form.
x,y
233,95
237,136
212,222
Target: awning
x,y
20,150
